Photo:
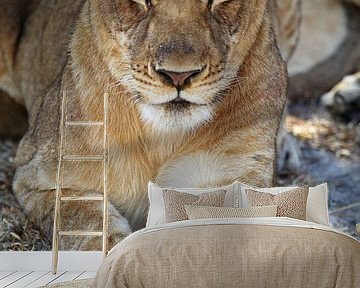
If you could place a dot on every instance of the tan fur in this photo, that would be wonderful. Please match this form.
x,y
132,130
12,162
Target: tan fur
x,y
328,49
287,20
320,40
227,133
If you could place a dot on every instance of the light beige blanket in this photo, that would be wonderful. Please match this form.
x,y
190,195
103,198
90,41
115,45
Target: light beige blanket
x,y
266,252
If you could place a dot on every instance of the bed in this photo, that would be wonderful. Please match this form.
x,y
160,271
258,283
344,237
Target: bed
x,y
235,252
255,252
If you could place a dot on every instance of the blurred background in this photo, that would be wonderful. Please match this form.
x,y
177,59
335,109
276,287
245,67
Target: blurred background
x,y
320,136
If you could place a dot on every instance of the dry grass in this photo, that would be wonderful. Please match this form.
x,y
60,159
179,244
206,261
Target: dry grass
x,y
16,233
326,134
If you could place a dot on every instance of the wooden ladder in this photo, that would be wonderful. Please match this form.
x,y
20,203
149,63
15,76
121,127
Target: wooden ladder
x,y
60,198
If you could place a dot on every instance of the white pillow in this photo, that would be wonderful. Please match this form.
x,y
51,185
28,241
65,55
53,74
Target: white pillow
x,y
317,210
156,213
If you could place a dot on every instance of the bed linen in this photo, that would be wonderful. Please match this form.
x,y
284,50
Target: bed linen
x,y
234,252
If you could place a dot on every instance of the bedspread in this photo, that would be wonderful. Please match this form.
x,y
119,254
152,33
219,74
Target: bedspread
x,y
255,252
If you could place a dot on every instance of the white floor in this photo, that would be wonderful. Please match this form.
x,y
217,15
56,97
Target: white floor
x,y
32,269
32,279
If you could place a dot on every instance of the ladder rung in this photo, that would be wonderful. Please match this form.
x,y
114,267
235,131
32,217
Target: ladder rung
x,y
80,233
83,123
82,198
82,158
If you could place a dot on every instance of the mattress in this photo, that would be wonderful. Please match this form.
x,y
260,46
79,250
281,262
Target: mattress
x,y
237,252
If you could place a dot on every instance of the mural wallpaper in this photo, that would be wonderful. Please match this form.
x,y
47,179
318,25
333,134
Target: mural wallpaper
x,y
222,98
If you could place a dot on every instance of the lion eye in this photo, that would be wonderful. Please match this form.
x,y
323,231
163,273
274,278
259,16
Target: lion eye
x,y
148,3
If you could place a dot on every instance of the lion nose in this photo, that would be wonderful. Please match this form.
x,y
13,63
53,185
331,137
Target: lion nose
x,y
178,79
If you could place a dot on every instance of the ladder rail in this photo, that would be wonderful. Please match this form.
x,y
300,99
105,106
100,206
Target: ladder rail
x,y
55,242
105,174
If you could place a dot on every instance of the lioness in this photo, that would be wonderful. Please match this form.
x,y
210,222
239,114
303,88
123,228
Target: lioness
x,y
196,93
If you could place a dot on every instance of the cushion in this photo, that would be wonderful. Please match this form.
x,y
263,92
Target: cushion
x,y
317,204
156,213
201,212
175,201
316,209
291,203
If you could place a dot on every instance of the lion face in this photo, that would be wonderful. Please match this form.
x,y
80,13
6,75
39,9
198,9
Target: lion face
x,y
176,57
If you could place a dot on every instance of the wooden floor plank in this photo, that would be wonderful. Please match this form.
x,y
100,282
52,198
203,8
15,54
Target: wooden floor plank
x,y
68,276
12,278
5,274
45,280
42,260
87,275
28,279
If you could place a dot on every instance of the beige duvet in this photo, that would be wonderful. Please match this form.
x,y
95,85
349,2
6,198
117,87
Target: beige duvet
x,y
255,252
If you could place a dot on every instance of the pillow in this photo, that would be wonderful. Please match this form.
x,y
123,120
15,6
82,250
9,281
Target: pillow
x,y
175,201
316,208
156,213
201,212
317,204
291,203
